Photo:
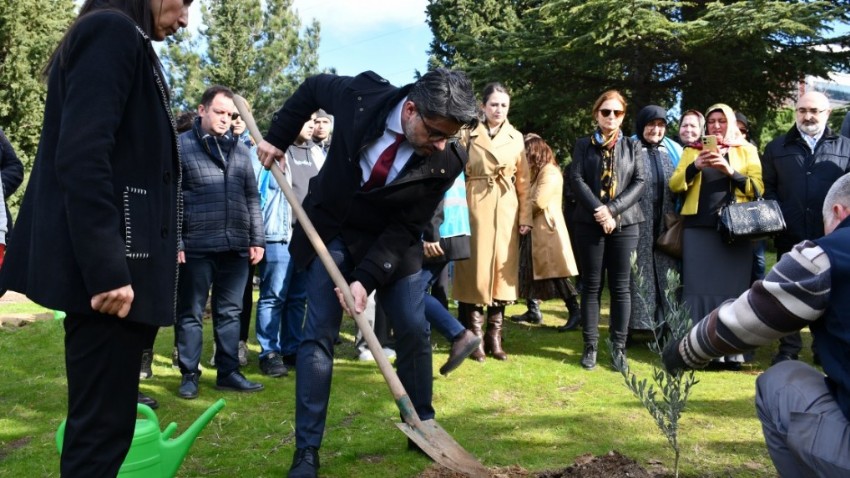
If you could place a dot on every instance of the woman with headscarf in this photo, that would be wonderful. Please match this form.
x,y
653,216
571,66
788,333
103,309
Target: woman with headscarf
x,y
499,212
648,303
712,270
546,255
607,177
691,126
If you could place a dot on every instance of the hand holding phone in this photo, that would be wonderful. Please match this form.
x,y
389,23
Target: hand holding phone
x,y
709,143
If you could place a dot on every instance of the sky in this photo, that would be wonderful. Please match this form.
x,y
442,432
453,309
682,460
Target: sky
x,y
389,37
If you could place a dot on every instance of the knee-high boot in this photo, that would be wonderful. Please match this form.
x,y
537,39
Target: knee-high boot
x,y
473,319
493,338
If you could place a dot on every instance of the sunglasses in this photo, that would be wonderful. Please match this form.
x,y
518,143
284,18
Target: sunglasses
x,y
234,116
606,113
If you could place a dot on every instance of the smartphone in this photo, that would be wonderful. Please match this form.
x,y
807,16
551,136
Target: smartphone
x,y
709,143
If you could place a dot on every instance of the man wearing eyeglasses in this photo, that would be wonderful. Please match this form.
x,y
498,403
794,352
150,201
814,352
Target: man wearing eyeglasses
x,y
222,231
388,167
798,169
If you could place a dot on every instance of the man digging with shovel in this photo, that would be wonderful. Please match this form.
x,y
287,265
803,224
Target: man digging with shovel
x,y
390,163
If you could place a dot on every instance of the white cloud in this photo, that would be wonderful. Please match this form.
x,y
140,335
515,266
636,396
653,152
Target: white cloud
x,y
360,16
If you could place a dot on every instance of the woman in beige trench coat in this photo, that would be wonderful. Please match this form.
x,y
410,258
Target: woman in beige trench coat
x,y
546,255
496,191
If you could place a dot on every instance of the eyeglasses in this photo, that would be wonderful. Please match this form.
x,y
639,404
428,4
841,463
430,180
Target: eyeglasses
x,y
809,111
234,116
433,133
606,113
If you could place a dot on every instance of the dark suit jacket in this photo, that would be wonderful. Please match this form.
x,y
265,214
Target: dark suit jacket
x,y
799,179
101,204
382,228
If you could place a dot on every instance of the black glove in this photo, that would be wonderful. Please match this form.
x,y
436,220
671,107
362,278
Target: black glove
x,y
671,358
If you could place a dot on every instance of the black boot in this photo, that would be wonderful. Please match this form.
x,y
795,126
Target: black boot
x,y
618,357
588,357
575,314
532,315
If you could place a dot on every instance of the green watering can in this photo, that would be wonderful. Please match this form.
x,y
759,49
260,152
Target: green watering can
x,y
155,455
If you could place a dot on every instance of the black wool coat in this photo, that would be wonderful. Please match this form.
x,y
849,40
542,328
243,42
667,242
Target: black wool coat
x,y
100,209
382,228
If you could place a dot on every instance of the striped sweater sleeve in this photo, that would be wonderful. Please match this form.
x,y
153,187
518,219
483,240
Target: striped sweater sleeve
x,y
794,294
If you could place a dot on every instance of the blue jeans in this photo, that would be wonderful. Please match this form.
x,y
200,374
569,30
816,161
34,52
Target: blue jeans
x,y
227,273
437,315
403,303
294,309
274,282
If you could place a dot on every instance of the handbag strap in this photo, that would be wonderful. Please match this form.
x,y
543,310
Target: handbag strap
x,y
757,193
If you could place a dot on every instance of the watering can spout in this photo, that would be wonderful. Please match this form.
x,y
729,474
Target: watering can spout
x,y
175,450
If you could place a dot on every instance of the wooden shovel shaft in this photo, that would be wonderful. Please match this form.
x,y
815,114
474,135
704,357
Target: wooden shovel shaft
x,y
403,401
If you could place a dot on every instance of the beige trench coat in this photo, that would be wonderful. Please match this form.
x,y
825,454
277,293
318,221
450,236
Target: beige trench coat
x,y
497,187
551,250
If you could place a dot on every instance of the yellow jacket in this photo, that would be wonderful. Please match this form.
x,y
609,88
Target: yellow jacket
x,y
744,159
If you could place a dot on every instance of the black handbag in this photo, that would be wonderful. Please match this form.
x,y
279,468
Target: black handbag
x,y
751,220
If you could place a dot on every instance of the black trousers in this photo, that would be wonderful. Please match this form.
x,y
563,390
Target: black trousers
x,y
103,355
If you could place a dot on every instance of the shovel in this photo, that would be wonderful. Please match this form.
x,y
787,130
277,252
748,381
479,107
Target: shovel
x,y
427,434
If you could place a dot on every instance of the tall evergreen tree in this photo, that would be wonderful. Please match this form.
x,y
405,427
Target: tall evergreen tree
x,y
256,48
29,32
558,55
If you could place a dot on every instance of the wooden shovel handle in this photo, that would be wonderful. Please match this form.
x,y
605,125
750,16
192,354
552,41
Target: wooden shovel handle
x,y
402,400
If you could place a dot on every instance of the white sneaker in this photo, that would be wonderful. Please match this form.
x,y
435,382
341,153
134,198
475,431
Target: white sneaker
x,y
366,356
389,353
212,358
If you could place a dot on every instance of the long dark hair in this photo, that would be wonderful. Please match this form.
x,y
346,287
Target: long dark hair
x,y
139,11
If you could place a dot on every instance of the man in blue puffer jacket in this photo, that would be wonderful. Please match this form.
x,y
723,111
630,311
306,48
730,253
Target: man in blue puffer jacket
x,y
222,233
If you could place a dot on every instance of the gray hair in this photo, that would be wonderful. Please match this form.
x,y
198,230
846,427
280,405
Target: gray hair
x,y
445,93
839,193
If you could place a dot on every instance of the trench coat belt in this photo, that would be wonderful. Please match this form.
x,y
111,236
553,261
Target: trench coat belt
x,y
499,176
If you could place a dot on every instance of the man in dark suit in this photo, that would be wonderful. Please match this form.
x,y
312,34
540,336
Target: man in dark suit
x,y
389,164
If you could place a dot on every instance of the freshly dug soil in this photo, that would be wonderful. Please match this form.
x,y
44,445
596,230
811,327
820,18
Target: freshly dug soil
x,y
612,465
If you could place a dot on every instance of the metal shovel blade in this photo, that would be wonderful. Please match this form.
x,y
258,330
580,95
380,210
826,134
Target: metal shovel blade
x,y
439,445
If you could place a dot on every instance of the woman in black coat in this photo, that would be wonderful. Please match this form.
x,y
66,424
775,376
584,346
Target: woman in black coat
x,y
97,232
607,178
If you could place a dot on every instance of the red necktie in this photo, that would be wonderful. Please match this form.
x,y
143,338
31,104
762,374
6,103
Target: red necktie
x,y
382,167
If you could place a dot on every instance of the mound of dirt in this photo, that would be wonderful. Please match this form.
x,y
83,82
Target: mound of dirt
x,y
611,465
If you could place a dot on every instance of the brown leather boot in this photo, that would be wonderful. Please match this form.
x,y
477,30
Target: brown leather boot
x,y
475,315
493,338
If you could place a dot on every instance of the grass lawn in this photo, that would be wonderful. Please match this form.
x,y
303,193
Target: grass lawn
x,y
539,410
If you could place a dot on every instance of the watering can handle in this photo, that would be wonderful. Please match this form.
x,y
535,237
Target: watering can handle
x,y
148,413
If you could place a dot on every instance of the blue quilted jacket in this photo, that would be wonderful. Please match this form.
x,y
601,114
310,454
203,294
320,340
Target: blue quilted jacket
x,y
220,199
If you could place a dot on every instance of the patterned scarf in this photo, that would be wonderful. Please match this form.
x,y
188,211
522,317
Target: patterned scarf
x,y
608,180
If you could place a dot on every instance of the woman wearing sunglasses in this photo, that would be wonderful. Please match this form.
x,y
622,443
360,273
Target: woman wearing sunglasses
x,y
607,177
712,270
496,190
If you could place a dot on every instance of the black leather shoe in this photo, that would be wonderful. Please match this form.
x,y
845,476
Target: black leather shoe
x,y
305,463
237,382
189,386
146,400
461,348
783,356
